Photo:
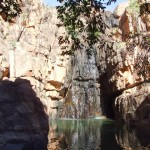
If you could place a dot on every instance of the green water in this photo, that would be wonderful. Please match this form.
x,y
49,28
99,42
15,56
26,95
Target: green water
x,y
94,134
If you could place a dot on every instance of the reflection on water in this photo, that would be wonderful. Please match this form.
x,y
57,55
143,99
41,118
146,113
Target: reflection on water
x,y
92,135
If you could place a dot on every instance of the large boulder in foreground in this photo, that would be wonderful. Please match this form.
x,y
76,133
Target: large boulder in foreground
x,y
23,121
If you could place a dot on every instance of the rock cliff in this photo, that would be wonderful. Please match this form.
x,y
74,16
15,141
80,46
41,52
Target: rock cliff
x,y
109,83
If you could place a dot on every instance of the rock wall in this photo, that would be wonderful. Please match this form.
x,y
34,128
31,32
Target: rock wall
x,y
107,83
66,85
136,91
123,88
30,50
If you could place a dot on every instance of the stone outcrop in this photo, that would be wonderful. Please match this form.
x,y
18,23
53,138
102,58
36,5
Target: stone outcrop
x,y
129,106
129,88
120,9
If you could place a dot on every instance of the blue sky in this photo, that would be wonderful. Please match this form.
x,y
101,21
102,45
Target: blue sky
x,y
111,7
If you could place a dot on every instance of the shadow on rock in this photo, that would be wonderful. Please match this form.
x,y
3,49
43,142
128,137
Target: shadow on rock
x,y
23,121
143,121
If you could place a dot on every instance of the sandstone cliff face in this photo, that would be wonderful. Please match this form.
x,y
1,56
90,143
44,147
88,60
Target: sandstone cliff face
x,y
132,104
107,83
30,50
66,85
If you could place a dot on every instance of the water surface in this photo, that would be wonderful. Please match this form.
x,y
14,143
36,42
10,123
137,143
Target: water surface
x,y
93,134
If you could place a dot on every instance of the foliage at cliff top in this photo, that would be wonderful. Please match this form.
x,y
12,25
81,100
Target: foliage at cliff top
x,y
82,18
134,7
9,9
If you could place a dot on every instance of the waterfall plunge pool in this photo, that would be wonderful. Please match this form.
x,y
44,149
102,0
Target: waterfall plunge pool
x,y
94,134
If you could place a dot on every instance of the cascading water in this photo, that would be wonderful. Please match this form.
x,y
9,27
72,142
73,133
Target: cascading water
x,y
84,98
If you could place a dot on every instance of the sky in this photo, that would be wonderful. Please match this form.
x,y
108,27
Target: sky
x,y
110,8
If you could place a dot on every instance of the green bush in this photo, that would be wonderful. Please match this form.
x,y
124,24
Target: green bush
x,y
134,7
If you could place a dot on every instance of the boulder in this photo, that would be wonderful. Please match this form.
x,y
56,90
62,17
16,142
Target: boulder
x,y
25,123
120,9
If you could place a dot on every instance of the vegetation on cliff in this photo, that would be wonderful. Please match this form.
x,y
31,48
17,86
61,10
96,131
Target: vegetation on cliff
x,y
134,7
9,9
83,20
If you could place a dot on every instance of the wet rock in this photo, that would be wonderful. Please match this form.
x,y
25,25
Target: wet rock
x,y
82,99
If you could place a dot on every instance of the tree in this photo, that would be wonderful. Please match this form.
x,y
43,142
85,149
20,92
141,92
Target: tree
x,y
9,9
82,20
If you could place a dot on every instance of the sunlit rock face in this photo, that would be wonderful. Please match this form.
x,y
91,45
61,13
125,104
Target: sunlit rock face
x,y
33,53
30,50
120,9
122,91
134,99
24,123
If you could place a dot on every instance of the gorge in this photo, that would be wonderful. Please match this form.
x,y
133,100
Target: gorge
x,y
39,81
